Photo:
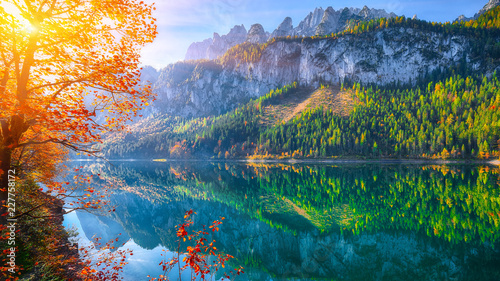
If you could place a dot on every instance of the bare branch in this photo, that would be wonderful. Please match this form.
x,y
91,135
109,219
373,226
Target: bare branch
x,y
37,142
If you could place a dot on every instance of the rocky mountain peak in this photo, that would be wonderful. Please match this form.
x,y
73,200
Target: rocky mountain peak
x,y
335,21
307,27
284,29
365,12
198,50
329,23
215,47
256,34
490,5
237,30
318,22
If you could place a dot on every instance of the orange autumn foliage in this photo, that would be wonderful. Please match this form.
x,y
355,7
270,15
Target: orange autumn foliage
x,y
62,63
69,71
197,257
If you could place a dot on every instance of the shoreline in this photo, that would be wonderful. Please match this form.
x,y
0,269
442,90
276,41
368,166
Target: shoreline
x,y
386,161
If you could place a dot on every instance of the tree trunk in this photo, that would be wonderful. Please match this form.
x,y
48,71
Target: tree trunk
x,y
5,159
11,133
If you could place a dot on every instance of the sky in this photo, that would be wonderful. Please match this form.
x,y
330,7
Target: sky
x,y
182,22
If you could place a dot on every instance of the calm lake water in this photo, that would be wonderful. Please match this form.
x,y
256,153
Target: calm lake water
x,y
309,221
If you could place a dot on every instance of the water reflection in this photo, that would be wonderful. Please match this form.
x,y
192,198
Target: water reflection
x,y
349,222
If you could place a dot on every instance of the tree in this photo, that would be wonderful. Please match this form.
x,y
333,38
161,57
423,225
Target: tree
x,y
61,64
197,257
445,154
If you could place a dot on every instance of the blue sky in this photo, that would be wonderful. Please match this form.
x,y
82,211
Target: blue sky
x,y
181,22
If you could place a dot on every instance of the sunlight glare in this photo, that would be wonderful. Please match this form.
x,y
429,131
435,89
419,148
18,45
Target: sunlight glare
x,y
12,10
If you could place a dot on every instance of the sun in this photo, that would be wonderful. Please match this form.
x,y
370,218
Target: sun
x,y
9,9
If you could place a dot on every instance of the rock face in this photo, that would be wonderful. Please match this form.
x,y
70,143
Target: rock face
x,y
329,22
307,27
256,34
382,57
284,29
490,5
322,22
335,21
319,22
215,47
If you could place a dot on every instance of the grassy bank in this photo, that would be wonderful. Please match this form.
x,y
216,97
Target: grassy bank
x,y
43,251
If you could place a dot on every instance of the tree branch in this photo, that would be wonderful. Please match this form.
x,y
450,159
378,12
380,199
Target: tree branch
x,y
68,82
36,142
29,211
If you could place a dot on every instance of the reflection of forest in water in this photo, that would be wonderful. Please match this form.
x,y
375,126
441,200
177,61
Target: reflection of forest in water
x,y
355,222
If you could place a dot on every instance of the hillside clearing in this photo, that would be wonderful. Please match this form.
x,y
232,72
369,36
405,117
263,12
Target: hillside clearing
x,y
286,107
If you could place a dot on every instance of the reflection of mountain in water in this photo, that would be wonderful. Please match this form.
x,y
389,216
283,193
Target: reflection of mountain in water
x,y
300,221
104,228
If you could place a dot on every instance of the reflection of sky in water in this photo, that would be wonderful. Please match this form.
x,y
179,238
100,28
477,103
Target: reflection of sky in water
x,y
143,261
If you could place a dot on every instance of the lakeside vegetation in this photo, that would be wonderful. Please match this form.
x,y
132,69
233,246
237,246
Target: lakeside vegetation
x,y
61,62
454,118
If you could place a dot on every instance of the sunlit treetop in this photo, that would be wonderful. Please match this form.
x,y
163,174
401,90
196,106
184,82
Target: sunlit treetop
x,y
62,61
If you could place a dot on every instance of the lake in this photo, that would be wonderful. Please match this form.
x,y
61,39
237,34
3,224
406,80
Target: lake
x,y
343,221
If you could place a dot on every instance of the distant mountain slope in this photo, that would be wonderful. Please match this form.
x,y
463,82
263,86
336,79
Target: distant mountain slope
x,y
212,48
457,117
381,51
319,22
323,22
289,106
401,53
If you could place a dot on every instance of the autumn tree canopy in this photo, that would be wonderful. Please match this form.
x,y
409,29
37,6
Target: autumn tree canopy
x,y
61,62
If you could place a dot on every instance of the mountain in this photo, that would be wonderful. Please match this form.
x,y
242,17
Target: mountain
x,y
213,48
309,24
284,29
387,51
384,56
398,87
456,117
319,22
490,5
323,22
257,34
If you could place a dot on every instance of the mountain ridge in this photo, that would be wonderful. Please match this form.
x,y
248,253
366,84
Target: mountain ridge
x,y
436,84
389,55
319,22
488,6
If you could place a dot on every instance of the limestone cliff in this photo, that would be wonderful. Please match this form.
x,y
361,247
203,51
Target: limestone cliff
x,y
389,55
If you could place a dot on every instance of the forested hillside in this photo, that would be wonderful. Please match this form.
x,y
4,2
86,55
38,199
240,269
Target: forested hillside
x,y
456,118
451,112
